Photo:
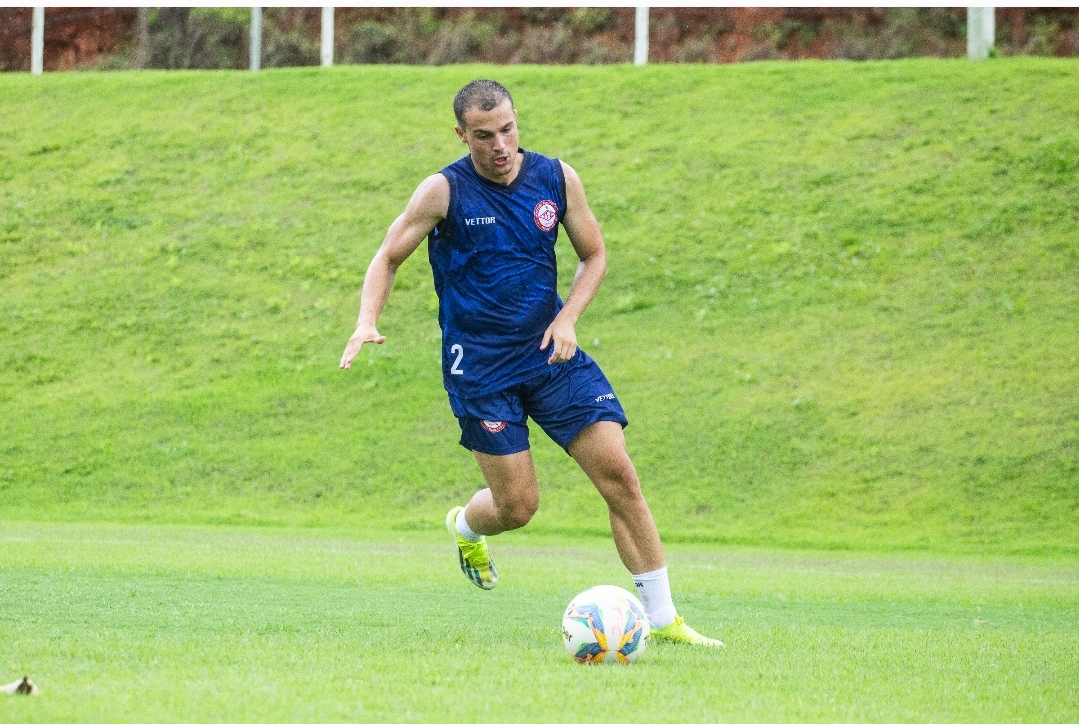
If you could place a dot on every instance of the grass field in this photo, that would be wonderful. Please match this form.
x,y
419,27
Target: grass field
x,y
841,314
183,623
840,310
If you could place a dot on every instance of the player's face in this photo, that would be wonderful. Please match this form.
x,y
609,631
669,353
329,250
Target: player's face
x,y
492,140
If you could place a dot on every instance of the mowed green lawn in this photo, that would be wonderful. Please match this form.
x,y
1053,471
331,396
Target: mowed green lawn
x,y
841,308
183,623
841,313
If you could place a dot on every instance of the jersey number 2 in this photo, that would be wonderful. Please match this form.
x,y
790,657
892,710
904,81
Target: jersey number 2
x,y
460,351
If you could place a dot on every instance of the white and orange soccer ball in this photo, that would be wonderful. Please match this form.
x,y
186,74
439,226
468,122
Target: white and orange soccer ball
x,y
605,625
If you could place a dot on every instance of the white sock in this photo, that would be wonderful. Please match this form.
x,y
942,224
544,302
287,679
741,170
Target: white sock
x,y
655,592
467,533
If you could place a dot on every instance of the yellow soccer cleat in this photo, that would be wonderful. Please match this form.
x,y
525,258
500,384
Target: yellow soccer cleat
x,y
475,559
679,632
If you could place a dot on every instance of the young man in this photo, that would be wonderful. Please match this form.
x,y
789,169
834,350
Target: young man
x,y
509,349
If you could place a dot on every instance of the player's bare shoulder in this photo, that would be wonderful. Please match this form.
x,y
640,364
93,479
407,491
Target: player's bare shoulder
x,y
426,209
576,202
578,215
569,173
431,200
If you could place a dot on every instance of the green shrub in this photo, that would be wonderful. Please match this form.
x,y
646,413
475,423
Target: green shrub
x,y
593,20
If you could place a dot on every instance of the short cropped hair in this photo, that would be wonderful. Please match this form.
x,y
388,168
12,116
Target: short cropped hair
x,y
483,94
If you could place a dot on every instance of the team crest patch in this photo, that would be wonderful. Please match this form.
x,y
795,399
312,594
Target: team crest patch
x,y
546,215
493,426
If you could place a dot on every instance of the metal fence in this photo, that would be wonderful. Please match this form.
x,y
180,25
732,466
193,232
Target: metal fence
x,y
116,38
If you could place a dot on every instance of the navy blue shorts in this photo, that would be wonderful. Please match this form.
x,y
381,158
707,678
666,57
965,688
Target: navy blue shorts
x,y
563,400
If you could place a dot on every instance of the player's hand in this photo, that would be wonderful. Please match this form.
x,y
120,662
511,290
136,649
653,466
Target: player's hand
x,y
361,336
564,338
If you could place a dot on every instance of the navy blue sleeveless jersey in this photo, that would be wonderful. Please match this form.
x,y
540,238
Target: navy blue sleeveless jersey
x,y
495,274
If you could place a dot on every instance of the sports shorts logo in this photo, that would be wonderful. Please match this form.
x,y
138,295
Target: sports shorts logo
x,y
608,396
493,427
546,215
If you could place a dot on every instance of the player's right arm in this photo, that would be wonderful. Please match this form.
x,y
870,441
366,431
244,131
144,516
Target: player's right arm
x,y
427,207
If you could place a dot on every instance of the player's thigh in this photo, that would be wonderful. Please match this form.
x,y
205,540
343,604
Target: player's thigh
x,y
600,450
571,397
510,478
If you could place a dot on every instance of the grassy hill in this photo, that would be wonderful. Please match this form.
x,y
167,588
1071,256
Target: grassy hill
x,y
841,309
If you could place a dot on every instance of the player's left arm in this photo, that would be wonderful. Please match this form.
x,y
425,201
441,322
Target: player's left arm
x,y
584,233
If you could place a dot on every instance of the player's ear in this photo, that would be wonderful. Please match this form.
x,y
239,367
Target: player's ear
x,y
461,134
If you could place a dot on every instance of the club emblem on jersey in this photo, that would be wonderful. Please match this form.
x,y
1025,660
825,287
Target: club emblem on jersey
x,y
546,215
493,426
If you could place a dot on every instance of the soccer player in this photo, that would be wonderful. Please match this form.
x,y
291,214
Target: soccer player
x,y
509,349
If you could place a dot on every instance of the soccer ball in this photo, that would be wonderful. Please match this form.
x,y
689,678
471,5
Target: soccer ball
x,y
605,625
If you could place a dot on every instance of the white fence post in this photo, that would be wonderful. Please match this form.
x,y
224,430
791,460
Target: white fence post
x,y
640,50
256,39
37,42
981,32
327,37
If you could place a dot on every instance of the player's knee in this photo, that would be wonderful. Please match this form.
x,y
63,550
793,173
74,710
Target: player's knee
x,y
518,513
620,488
